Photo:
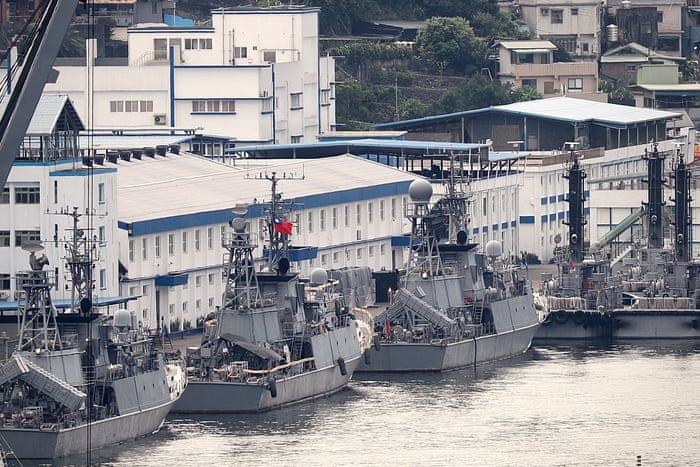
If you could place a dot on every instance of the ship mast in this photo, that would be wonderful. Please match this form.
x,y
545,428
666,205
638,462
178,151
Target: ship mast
x,y
655,181
576,200
79,262
457,202
242,290
424,256
682,212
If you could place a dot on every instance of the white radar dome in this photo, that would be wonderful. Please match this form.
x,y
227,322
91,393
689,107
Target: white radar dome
x,y
494,249
420,191
122,319
319,276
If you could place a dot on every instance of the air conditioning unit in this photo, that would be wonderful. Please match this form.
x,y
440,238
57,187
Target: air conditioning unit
x,y
159,119
544,11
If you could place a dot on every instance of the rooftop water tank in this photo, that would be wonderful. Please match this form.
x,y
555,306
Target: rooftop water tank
x,y
613,32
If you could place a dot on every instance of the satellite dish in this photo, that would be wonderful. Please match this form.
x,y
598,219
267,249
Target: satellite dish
x,y
32,246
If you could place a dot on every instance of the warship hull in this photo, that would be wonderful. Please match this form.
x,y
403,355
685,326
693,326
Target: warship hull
x,y
47,443
260,396
575,325
656,324
407,357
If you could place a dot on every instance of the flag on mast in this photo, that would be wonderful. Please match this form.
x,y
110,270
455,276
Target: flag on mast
x,y
282,226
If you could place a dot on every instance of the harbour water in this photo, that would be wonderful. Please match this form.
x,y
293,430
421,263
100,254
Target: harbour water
x,y
626,404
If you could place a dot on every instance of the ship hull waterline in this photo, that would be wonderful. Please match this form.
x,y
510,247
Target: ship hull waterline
x,y
25,443
238,397
656,324
575,325
409,357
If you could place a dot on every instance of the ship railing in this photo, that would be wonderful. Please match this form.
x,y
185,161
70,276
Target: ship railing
x,y
239,371
664,303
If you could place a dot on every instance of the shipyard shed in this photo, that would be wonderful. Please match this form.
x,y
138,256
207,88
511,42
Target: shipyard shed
x,y
174,210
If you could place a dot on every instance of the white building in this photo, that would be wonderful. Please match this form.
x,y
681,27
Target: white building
x,y
573,26
47,181
253,77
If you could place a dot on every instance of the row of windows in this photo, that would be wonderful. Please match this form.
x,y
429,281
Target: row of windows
x,y
572,84
23,195
358,252
131,106
347,217
21,237
185,243
194,44
223,105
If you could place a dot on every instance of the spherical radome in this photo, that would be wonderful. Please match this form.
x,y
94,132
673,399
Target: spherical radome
x,y
122,318
319,276
420,191
238,225
494,249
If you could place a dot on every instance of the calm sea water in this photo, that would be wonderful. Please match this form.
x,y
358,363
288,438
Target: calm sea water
x,y
573,405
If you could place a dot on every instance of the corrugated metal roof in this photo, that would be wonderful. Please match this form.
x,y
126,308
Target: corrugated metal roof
x,y
579,110
566,109
184,184
47,113
524,45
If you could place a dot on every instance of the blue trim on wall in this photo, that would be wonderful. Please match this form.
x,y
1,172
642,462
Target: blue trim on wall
x,y
402,240
82,173
526,220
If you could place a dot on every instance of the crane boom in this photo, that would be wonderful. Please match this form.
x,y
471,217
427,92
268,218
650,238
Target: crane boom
x,y
29,85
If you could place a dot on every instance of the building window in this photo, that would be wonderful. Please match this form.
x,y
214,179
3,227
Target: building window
x,y
214,106
359,253
270,56
370,251
131,251
530,83
322,220
103,279
184,242
5,282
131,106
574,12
198,281
146,106
240,52
101,193
347,215
27,195
557,16
199,43
325,96
575,84
358,214
335,257
210,238
296,139
393,209
370,212
211,278
116,106
295,101
310,221
5,196
334,220
382,249
297,223
381,209
144,248
171,244
4,238
197,242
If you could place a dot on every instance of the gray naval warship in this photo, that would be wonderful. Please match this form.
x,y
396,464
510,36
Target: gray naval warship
x,y
276,340
457,307
661,278
651,290
82,379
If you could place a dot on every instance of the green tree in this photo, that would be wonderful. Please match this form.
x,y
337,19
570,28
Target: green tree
x,y
73,44
475,92
499,26
450,41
